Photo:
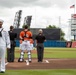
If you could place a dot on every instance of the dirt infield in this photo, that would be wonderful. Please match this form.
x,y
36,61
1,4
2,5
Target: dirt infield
x,y
46,64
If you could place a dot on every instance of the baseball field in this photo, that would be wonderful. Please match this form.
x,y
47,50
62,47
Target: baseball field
x,y
57,61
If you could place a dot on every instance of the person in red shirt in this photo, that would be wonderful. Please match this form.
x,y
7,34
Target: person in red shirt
x,y
25,37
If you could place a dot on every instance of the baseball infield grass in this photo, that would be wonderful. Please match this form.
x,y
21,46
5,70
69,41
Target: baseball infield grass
x,y
48,53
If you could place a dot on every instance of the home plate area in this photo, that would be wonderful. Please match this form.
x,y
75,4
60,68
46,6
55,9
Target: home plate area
x,y
48,63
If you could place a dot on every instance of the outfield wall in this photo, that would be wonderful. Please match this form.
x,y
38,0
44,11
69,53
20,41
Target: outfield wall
x,y
49,43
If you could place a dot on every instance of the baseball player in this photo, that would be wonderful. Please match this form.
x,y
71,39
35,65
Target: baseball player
x,y
4,43
25,37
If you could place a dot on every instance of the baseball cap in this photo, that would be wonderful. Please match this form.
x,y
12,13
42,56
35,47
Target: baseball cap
x,y
26,27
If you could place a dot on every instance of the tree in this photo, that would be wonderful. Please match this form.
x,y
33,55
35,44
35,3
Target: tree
x,y
23,26
62,34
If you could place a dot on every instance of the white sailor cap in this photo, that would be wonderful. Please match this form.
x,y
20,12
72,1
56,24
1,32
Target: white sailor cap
x,y
1,20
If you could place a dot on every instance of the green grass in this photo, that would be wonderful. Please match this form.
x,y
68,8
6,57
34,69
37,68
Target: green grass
x,y
60,53
54,53
41,72
48,53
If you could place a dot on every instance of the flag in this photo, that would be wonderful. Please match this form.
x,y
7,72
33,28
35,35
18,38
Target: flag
x,y
73,6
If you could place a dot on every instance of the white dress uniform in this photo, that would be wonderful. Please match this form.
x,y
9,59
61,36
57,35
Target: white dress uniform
x,y
4,43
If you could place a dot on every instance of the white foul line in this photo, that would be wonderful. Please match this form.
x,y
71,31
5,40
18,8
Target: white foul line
x,y
46,61
6,63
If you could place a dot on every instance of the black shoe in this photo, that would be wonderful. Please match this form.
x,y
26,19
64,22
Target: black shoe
x,y
12,60
20,60
30,61
2,72
39,61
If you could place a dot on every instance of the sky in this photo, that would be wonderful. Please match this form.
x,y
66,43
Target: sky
x,y
44,13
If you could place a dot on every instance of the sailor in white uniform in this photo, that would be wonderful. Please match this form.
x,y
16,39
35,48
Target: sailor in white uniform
x,y
4,44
